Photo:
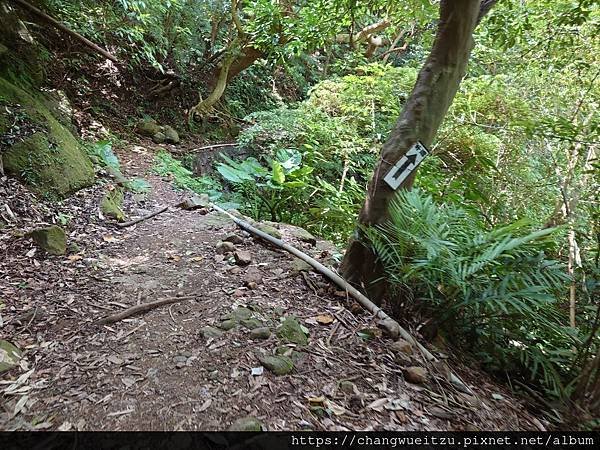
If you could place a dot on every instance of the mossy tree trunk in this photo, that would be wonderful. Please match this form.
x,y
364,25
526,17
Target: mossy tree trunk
x,y
423,113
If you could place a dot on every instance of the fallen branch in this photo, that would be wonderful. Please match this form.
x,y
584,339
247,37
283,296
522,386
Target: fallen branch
x,y
141,219
209,147
141,308
66,30
392,327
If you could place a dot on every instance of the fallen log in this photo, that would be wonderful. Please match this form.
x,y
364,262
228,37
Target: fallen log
x,y
64,29
141,308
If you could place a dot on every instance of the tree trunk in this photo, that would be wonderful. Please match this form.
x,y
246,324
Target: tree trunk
x,y
246,58
223,74
423,113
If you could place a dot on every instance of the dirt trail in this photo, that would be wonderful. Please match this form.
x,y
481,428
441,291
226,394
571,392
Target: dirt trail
x,y
164,370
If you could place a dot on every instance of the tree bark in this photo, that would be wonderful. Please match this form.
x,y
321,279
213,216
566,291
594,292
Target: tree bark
x,y
423,113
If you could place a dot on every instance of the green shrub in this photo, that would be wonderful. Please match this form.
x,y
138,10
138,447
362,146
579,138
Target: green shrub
x,y
494,290
166,165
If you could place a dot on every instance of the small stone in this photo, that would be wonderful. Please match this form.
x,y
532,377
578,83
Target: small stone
x,y
302,235
52,239
242,257
416,375
279,365
402,346
158,138
251,285
210,332
246,424
268,229
233,238
180,365
240,313
347,387
253,275
227,325
224,247
251,324
170,134
260,333
74,248
300,265
179,359
291,331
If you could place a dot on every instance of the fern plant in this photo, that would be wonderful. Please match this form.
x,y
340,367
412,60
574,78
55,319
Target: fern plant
x,y
496,290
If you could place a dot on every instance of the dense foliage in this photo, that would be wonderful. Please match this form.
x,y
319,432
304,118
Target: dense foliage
x,y
500,243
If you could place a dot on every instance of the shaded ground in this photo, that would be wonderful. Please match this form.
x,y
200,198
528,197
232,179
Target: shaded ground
x,y
161,371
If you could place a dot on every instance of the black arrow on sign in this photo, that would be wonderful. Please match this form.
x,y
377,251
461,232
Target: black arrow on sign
x,y
410,159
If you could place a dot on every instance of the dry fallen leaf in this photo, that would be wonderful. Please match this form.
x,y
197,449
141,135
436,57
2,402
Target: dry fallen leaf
x,y
378,404
205,405
334,408
317,401
324,319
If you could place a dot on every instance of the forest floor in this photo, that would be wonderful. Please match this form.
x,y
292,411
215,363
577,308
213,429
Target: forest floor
x,y
173,368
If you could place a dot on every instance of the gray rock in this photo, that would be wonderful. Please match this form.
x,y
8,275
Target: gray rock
x,y
240,313
260,333
252,323
253,275
302,235
52,239
224,247
170,134
210,332
242,257
279,365
233,238
269,229
300,265
246,424
228,324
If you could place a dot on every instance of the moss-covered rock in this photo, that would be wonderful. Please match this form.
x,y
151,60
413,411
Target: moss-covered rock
x,y
52,239
291,331
112,204
170,134
147,127
49,159
279,365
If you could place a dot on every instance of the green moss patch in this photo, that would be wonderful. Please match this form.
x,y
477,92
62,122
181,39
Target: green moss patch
x,y
50,160
112,204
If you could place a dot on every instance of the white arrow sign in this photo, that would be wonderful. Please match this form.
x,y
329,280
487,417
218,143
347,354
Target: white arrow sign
x,y
406,165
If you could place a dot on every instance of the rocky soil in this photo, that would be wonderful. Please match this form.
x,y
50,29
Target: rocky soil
x,y
257,340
